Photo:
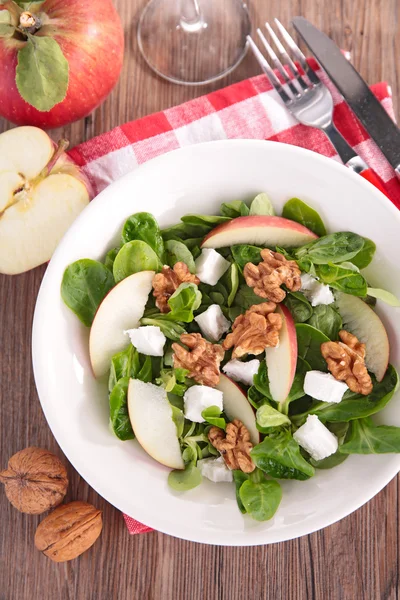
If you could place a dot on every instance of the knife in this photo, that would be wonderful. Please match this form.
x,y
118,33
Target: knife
x,y
354,90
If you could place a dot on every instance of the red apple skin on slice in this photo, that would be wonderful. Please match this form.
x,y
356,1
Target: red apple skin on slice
x,y
282,360
363,322
236,406
121,309
259,230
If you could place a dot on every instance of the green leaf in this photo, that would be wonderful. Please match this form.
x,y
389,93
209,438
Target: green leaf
x,y
170,329
262,205
230,281
327,320
124,364
178,419
239,478
355,406
134,257
84,285
246,297
383,295
244,253
212,414
367,438
173,381
177,251
330,461
333,248
185,300
299,307
210,221
257,398
119,414
143,226
299,211
234,209
42,73
279,455
110,258
343,278
365,255
182,481
270,417
309,340
7,29
185,231
261,500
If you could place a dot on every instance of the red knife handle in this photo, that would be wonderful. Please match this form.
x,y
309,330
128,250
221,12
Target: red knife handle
x,y
359,166
373,178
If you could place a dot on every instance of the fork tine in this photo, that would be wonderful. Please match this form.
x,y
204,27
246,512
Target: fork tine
x,y
269,72
297,53
278,64
286,57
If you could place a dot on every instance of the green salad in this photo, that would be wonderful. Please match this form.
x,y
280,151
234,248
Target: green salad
x,y
240,348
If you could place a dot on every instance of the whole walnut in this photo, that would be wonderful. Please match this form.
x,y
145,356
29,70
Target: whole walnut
x,y
68,531
35,481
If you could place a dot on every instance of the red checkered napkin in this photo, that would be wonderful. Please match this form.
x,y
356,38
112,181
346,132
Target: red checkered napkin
x,y
250,109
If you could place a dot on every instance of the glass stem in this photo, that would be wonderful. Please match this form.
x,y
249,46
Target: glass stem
x,y
191,17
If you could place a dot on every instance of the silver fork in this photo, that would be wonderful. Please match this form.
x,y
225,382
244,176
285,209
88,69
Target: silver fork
x,y
305,96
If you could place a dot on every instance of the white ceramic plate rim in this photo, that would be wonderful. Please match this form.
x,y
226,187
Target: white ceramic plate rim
x,y
142,514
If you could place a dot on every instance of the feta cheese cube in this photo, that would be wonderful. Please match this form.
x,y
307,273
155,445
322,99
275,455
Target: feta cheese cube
x,y
316,439
199,397
215,469
307,282
242,371
148,340
210,266
213,323
317,293
323,386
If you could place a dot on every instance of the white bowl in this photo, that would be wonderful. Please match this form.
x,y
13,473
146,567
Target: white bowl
x,y
196,180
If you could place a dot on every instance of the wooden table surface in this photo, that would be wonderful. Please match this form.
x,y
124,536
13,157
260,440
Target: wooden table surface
x,y
355,559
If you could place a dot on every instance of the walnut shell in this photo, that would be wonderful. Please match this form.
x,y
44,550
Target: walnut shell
x,y
35,481
69,531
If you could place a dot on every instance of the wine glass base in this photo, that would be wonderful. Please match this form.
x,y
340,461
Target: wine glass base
x,y
194,49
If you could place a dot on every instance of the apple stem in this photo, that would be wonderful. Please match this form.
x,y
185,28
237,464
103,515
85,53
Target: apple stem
x,y
29,22
61,147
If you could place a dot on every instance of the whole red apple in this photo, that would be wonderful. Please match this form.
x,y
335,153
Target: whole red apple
x,y
60,84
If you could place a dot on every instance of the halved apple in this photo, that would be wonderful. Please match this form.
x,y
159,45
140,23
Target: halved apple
x,y
236,406
121,309
282,360
259,230
41,193
363,322
150,414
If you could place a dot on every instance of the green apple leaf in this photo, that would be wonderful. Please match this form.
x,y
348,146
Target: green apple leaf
x,y
42,73
6,27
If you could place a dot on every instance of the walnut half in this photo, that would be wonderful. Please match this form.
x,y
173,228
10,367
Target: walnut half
x,y
168,281
202,360
234,445
267,277
257,329
345,361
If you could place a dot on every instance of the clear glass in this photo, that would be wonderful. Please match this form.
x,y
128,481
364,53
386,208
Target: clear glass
x,y
193,41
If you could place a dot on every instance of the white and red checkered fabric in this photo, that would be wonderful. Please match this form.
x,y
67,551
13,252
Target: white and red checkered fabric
x,y
250,109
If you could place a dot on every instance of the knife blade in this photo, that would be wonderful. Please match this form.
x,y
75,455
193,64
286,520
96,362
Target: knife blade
x,y
354,90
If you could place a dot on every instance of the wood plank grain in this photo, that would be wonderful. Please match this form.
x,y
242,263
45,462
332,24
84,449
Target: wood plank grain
x,y
355,559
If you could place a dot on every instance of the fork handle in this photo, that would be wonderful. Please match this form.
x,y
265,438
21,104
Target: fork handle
x,y
345,151
352,160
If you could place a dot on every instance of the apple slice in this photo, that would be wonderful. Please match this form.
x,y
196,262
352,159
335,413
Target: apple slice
x,y
41,193
150,414
282,360
259,230
363,322
236,406
121,309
